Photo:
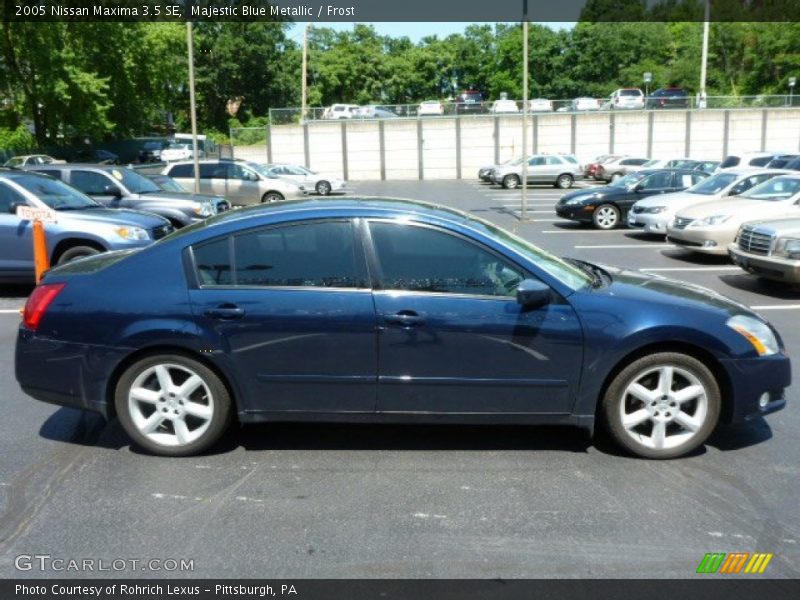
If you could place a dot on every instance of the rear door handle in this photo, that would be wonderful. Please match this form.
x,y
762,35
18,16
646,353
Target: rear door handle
x,y
225,312
405,318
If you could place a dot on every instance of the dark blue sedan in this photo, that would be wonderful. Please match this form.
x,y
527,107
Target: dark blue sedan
x,y
391,311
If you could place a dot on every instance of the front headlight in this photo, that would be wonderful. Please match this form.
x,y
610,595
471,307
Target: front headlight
x,y
712,220
576,201
788,248
654,210
757,333
203,209
132,233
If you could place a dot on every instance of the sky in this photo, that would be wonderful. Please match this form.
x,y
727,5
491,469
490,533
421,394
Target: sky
x,y
415,31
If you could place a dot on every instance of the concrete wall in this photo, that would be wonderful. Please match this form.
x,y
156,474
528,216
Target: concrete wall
x,y
430,148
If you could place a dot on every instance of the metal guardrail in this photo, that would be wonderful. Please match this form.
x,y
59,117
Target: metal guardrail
x,y
292,115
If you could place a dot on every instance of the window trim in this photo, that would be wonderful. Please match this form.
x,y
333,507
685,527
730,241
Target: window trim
x,y
376,272
362,270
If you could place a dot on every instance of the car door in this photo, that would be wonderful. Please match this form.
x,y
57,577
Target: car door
x,y
453,339
290,308
241,184
16,242
536,168
657,183
95,184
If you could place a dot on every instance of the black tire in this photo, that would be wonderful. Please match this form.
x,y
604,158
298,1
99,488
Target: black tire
x,y
323,188
219,401
685,370
272,197
75,253
564,181
511,182
606,216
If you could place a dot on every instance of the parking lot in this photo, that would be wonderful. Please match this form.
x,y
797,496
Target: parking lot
x,y
286,500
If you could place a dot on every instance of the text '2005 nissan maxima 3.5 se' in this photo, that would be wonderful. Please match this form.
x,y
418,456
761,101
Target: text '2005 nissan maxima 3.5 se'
x,y
388,310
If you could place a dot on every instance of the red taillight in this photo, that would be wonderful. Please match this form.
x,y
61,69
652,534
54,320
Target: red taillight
x,y
38,302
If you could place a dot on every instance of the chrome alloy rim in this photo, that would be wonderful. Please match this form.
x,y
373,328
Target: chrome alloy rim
x,y
606,216
663,407
170,404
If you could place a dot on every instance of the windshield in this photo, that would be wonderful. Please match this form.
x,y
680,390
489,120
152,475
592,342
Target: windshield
x,y
629,179
779,188
713,185
260,169
135,183
568,274
168,184
54,193
174,146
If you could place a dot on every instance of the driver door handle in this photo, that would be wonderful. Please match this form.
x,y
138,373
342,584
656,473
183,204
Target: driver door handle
x,y
225,312
405,318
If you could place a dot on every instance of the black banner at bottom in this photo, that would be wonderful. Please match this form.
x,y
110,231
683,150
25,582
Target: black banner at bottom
x,y
400,589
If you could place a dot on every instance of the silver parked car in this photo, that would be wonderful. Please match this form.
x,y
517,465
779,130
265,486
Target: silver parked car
x,y
240,182
617,168
769,249
559,170
322,183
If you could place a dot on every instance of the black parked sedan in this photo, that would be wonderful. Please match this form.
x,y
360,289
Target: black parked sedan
x,y
672,97
607,207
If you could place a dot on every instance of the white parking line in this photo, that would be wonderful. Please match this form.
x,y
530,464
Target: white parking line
x,y
692,269
627,246
777,307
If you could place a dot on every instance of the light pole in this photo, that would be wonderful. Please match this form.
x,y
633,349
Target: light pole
x,y
792,83
192,107
648,77
303,91
704,57
524,207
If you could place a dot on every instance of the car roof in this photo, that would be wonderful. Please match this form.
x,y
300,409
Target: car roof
x,y
73,166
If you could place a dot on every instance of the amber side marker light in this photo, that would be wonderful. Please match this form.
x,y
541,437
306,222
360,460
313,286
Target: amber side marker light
x,y
39,300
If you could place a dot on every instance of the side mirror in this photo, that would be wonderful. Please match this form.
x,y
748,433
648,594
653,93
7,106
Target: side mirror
x,y
14,206
112,190
532,293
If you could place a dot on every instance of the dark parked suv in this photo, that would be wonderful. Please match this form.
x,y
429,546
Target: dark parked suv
x,y
469,102
673,97
118,187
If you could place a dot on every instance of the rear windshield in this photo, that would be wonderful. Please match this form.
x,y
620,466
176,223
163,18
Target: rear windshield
x,y
630,93
730,161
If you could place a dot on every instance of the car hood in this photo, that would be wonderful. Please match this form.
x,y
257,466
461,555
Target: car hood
x,y
677,200
644,287
741,209
598,192
113,216
178,196
781,227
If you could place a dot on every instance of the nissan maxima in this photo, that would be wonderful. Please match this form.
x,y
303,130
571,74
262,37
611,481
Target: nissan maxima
x,y
388,311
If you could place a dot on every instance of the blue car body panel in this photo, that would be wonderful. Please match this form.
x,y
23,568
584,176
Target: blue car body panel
x,y
331,354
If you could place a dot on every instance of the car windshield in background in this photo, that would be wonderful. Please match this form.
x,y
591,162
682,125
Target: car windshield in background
x,y
54,193
136,184
568,274
629,179
713,185
779,188
168,184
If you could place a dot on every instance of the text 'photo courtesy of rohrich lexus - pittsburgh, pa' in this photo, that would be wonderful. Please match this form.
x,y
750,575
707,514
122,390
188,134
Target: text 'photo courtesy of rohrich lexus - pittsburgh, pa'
x,y
381,310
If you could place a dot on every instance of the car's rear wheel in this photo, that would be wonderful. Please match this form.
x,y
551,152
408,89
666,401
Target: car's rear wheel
x,y
272,197
323,188
75,253
662,405
172,405
511,182
565,181
606,216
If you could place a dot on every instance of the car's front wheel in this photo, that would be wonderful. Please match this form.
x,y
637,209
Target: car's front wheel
x,y
511,182
564,181
272,197
172,405
663,405
606,216
75,253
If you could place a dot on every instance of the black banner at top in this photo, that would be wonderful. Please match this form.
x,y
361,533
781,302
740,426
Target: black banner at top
x,y
326,11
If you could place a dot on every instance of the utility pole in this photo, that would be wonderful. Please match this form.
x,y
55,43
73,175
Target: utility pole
x,y
524,211
704,59
305,68
192,107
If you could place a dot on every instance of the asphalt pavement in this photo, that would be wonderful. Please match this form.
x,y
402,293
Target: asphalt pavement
x,y
288,500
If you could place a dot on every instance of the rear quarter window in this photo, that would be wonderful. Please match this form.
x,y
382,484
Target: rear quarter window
x,y
181,171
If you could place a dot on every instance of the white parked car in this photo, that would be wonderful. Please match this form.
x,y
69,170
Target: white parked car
x,y
322,183
655,213
710,227
626,98
750,159
430,108
504,106
176,151
585,104
541,105
341,111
